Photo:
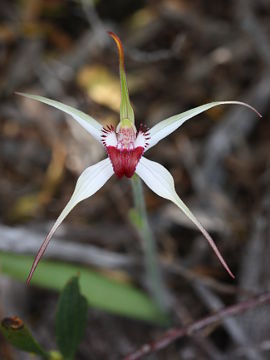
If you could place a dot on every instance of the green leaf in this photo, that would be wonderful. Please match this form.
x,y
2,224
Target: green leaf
x,y
71,319
100,291
17,334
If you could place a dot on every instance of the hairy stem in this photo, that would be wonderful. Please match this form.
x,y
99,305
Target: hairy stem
x,y
140,222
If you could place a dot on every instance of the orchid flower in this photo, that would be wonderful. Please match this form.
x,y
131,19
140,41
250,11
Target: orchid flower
x,y
125,146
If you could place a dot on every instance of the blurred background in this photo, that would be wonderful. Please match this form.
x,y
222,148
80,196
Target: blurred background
x,y
179,54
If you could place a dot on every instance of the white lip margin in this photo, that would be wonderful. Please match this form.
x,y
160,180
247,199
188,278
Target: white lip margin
x,y
89,182
161,182
167,126
86,121
109,137
142,139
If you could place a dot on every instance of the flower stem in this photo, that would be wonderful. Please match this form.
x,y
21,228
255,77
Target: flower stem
x,y
140,221
55,355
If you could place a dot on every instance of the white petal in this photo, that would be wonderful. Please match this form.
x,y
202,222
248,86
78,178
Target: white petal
x,y
89,182
86,121
161,182
167,126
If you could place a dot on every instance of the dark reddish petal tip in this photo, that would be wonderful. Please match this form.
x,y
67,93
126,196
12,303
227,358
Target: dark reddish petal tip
x,y
229,272
33,268
29,277
119,46
114,36
39,255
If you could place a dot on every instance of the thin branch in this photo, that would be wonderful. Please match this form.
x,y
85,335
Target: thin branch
x,y
11,241
233,326
177,333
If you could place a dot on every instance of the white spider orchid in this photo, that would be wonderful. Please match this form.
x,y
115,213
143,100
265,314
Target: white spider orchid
x,y
125,147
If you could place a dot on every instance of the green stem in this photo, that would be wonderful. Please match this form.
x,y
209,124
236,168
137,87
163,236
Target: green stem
x,y
140,222
55,355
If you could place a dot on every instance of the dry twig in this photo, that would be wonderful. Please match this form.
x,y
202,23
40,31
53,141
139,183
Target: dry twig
x,y
177,333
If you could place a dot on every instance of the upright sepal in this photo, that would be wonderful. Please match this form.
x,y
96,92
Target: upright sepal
x,y
126,111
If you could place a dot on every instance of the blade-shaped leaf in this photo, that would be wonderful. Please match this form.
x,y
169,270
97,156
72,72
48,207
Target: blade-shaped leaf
x,y
159,180
71,317
89,182
17,334
86,121
167,126
100,291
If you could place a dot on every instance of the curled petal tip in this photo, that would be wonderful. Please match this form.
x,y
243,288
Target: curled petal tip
x,y
252,108
119,46
114,36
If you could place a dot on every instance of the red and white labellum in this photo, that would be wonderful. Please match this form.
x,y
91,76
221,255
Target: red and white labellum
x,y
125,148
